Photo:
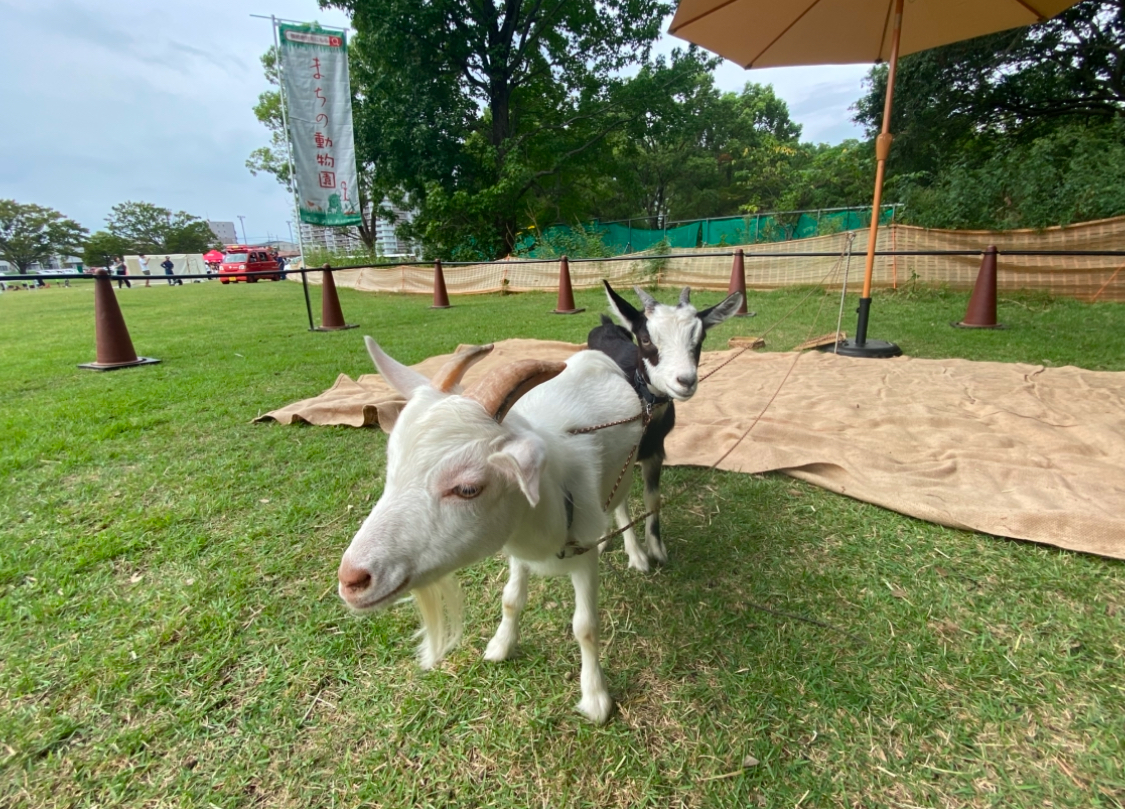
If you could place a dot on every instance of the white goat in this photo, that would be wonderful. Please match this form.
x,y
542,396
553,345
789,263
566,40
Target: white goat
x,y
469,475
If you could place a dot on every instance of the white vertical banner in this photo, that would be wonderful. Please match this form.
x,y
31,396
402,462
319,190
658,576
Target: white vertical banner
x,y
314,69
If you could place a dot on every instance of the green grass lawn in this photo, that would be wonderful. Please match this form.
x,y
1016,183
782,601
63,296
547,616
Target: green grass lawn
x,y
170,634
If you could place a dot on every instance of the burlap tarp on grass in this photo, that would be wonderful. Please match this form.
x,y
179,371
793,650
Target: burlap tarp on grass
x,y
1013,450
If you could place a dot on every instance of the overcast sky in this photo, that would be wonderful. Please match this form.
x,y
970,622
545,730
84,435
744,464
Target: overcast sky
x,y
151,100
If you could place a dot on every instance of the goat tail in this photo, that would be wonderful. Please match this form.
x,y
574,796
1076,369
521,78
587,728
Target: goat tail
x,y
440,605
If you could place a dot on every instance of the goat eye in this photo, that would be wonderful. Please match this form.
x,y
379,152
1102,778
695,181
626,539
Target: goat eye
x,y
465,491
645,341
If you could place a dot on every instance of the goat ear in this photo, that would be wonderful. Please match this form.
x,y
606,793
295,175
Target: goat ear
x,y
522,460
685,296
626,315
404,380
721,311
648,301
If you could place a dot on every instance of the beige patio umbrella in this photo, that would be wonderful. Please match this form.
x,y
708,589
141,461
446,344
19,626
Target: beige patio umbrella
x,y
785,33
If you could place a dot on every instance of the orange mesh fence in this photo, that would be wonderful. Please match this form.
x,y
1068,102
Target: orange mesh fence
x,y
781,264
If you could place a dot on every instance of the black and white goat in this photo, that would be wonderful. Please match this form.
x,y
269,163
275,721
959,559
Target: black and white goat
x,y
663,366
506,466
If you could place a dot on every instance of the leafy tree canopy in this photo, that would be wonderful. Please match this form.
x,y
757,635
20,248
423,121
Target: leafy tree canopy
x,y
476,113
697,152
102,247
31,233
148,228
969,99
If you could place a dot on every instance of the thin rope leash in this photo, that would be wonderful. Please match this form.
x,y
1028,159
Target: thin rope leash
x,y
577,550
832,271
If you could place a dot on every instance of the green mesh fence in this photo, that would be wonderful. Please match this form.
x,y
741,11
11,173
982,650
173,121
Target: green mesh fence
x,y
620,238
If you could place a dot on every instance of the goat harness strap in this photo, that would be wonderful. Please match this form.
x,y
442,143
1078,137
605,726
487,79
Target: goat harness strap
x,y
570,547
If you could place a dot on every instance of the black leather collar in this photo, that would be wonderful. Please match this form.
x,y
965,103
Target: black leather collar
x,y
640,385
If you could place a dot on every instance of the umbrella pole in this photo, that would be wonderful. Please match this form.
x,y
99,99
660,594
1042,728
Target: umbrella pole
x,y
861,346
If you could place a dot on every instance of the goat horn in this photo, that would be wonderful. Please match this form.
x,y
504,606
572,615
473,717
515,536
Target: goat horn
x,y
646,299
502,387
450,374
685,296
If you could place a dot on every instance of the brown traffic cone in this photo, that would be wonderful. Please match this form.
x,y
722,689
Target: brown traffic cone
x,y
114,347
331,317
565,305
982,303
738,282
441,297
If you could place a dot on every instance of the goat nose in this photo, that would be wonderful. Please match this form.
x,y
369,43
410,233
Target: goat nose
x,y
353,578
687,380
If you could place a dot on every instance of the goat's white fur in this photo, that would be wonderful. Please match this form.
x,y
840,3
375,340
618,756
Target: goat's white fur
x,y
418,534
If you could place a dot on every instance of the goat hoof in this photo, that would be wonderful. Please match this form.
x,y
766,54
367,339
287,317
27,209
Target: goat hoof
x,y
498,650
597,709
639,562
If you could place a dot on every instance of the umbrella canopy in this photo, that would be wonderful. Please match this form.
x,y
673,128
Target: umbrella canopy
x,y
786,33
213,256
757,33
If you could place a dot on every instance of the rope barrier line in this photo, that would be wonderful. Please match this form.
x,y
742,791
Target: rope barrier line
x,y
832,271
401,265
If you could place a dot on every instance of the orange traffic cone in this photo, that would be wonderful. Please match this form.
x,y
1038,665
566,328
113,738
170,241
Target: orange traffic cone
x,y
981,313
738,283
441,297
565,305
114,346
331,316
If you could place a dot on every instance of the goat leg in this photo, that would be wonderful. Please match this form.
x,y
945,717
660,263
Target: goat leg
x,y
596,702
514,600
650,471
637,557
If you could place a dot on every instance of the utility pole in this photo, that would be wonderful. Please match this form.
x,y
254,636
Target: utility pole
x,y
242,219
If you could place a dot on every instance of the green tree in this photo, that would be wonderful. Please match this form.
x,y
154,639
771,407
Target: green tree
x,y
31,233
102,246
1073,174
274,158
824,176
478,115
149,228
697,152
972,98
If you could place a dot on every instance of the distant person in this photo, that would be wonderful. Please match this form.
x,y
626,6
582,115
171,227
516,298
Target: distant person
x,y
280,266
143,259
168,267
122,272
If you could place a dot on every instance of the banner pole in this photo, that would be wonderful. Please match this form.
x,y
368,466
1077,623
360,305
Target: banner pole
x,y
292,173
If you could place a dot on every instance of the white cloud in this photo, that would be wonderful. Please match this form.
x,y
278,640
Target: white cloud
x,y
117,100
114,100
819,97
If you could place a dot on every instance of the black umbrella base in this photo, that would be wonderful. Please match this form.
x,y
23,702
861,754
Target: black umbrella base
x,y
871,349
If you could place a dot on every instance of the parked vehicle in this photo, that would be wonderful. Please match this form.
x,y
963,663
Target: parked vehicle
x,y
241,258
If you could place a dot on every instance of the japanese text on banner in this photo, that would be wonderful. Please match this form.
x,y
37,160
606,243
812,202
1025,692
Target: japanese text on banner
x,y
314,69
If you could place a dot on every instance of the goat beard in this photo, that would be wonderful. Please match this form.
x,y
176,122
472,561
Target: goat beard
x,y
441,606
